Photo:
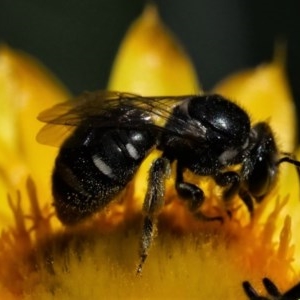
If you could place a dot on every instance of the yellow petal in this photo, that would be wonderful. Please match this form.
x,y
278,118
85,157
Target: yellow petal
x,y
26,88
293,210
8,110
151,62
13,173
29,89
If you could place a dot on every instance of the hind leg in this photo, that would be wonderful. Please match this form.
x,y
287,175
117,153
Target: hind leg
x,y
193,195
153,203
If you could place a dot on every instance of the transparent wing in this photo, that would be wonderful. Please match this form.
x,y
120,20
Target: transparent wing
x,y
105,109
54,135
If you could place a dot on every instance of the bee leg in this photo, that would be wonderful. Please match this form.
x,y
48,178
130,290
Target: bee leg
x,y
153,203
251,293
193,195
188,191
272,291
248,201
249,290
293,293
271,288
230,180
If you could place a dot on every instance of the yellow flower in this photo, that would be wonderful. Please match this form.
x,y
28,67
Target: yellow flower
x,y
189,259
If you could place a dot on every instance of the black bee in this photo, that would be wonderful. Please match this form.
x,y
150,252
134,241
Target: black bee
x,y
273,292
114,132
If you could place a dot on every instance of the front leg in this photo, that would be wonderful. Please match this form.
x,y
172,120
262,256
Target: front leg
x,y
192,194
248,201
230,180
153,203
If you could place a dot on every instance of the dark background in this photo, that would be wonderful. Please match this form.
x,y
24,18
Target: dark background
x,y
78,39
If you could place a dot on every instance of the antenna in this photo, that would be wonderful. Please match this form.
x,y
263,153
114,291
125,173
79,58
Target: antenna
x,y
291,159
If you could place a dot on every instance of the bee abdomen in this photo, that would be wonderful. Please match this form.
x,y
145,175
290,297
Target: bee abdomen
x,y
86,178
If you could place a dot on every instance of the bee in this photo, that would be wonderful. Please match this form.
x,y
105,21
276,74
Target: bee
x,y
273,291
114,132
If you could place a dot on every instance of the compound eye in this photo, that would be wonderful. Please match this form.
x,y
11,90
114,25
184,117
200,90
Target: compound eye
x,y
261,179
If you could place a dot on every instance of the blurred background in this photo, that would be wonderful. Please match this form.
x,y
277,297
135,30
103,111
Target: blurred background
x,y
78,39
